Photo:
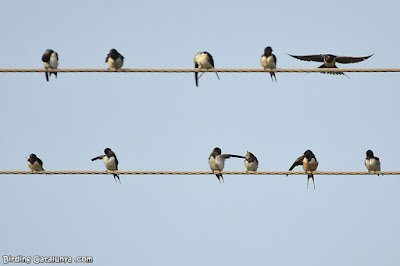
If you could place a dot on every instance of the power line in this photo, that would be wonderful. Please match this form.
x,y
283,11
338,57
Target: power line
x,y
192,70
12,172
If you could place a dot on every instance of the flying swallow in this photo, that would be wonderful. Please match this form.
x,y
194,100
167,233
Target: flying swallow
x,y
372,163
114,59
217,161
203,60
50,61
110,161
268,60
35,163
309,162
330,60
251,162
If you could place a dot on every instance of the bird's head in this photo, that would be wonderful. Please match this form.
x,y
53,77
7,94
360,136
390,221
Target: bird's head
x,y
216,151
309,154
268,50
370,154
107,151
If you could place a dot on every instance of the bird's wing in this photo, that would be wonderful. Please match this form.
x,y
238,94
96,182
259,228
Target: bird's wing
x,y
274,58
211,58
46,57
98,158
348,59
316,57
40,162
227,156
56,55
299,161
108,56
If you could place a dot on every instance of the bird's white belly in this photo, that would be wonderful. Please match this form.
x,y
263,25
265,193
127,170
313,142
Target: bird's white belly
x,y
217,164
268,62
117,64
53,63
251,166
310,165
35,166
110,163
203,61
372,164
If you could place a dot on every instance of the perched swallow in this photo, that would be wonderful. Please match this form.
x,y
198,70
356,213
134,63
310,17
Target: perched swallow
x,y
217,161
114,59
110,161
50,61
372,163
203,60
268,60
251,162
309,162
35,163
330,60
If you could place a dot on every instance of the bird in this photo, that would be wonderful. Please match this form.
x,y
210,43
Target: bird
x,y
217,161
203,60
309,162
50,61
372,163
114,59
330,60
34,163
110,161
268,60
251,162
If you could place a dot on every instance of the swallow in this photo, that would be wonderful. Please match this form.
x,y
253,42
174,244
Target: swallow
x,y
309,162
114,59
50,61
251,162
34,163
330,60
217,161
372,163
203,60
110,161
268,60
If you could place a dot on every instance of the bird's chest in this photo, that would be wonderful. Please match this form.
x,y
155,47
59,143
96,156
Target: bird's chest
x,y
251,166
372,164
110,163
203,61
268,61
35,166
217,163
310,165
53,63
330,64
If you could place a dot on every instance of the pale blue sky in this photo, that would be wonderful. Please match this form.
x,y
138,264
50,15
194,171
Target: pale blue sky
x,y
163,122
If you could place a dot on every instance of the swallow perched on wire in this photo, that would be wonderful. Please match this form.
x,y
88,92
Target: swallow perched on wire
x,y
217,161
203,60
309,162
50,61
34,163
110,161
330,60
268,60
372,163
114,59
251,162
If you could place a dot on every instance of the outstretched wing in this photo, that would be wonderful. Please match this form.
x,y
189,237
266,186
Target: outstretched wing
x,y
98,158
227,156
299,161
316,58
348,59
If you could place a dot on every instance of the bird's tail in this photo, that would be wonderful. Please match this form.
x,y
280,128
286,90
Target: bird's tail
x,y
220,177
115,178
332,73
47,76
272,75
310,175
217,75
196,78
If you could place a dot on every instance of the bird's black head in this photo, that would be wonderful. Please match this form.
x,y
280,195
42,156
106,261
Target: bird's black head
x,y
32,158
309,154
107,151
268,50
216,151
370,154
